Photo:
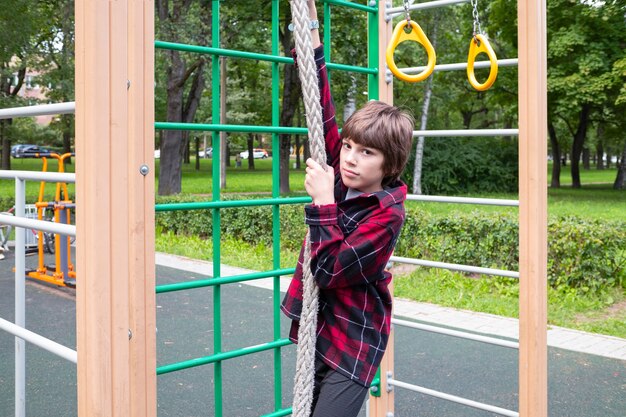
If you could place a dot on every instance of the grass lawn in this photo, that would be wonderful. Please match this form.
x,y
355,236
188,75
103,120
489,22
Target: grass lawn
x,y
604,313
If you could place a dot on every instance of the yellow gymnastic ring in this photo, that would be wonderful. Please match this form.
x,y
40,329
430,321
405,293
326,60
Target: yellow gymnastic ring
x,y
479,44
417,35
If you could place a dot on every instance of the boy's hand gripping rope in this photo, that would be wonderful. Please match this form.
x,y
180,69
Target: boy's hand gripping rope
x,y
305,363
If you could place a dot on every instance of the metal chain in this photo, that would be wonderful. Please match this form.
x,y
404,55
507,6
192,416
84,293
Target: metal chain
x,y
406,11
476,20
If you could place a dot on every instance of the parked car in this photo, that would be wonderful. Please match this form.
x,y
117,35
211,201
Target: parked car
x,y
256,154
18,148
207,153
23,151
157,153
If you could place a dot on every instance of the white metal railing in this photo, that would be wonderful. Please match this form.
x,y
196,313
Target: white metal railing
x,y
391,382
395,11
38,340
463,200
460,66
465,132
38,176
456,267
18,328
39,110
43,225
456,333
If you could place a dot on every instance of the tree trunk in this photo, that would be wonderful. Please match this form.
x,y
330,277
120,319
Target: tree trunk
x,y
250,149
291,96
186,147
68,130
6,144
419,144
599,156
577,146
223,148
586,159
298,145
198,153
555,182
620,180
172,149
306,151
170,14
7,91
350,106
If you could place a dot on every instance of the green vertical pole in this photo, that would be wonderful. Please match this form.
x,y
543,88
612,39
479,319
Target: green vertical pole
x,y
327,36
372,51
217,319
276,208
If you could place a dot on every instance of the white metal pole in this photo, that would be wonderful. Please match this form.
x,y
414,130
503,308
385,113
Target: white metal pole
x,y
455,267
20,301
466,133
395,11
449,397
456,333
40,110
43,225
459,200
40,341
461,66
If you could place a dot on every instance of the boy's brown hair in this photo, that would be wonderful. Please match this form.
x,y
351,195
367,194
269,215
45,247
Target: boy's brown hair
x,y
386,128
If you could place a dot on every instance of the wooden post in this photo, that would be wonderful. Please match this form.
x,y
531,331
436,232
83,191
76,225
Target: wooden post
x,y
115,303
383,405
533,208
385,29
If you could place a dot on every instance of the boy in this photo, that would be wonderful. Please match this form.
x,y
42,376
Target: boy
x,y
354,221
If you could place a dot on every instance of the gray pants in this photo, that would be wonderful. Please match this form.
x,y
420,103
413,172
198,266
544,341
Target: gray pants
x,y
335,395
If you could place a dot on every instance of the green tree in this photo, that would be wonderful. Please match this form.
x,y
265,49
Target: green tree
x,y
184,21
585,39
19,23
56,45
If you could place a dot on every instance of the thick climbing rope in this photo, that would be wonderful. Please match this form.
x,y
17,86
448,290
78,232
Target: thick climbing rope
x,y
305,362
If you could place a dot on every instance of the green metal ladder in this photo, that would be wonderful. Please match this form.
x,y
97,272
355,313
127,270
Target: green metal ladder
x,y
275,202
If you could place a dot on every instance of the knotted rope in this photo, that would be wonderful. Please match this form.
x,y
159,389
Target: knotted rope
x,y
305,362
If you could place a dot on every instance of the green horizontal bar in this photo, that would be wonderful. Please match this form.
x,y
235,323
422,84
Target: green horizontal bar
x,y
230,128
253,55
222,52
203,205
279,413
351,5
201,283
218,357
352,68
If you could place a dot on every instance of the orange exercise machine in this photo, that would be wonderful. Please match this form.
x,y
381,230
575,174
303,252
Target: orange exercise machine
x,y
62,273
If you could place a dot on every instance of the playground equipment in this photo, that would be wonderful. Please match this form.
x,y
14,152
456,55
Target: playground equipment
x,y
62,273
480,44
416,34
408,29
114,93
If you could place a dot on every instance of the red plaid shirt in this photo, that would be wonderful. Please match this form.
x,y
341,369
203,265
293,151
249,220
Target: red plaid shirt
x,y
351,242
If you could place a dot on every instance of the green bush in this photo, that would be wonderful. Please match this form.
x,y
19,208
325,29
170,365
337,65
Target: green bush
x,y
487,240
453,166
582,254
586,254
249,224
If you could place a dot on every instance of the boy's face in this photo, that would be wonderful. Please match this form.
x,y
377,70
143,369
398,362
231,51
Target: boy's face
x,y
361,166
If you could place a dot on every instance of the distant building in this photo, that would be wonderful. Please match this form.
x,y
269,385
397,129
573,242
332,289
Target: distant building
x,y
33,92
